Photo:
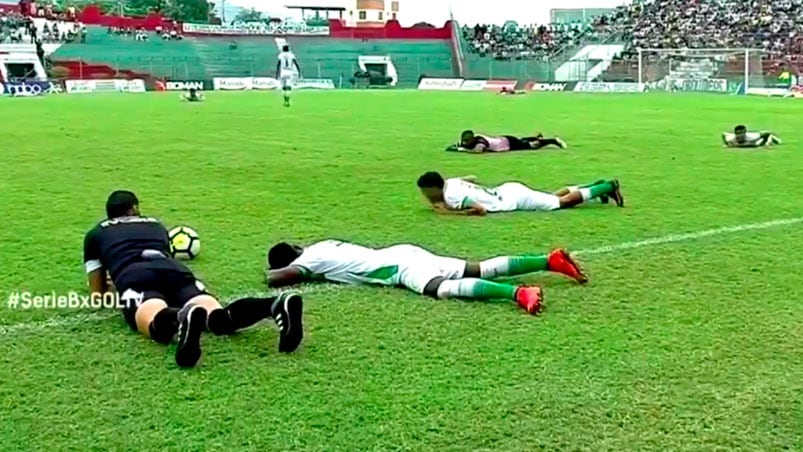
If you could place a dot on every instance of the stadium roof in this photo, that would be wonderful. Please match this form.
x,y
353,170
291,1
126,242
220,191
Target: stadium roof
x,y
318,8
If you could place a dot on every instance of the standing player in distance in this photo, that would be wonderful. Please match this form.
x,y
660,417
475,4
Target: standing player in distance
x,y
416,269
477,143
287,72
465,197
741,138
162,297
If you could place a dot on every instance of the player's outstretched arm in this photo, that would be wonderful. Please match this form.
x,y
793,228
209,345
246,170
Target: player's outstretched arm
x,y
471,210
97,282
283,277
476,210
96,275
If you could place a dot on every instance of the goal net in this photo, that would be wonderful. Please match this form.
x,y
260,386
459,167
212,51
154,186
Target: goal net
x,y
702,70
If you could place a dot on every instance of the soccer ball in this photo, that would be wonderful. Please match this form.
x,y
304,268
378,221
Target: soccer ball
x,y
184,243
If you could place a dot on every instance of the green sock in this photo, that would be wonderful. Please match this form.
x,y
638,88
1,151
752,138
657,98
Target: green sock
x,y
600,181
528,264
476,289
512,266
601,189
487,290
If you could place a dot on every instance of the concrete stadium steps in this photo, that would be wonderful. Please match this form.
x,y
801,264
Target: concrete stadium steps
x,y
174,59
331,58
207,57
253,56
81,70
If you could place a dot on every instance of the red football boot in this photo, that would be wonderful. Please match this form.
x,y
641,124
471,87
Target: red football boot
x,y
529,298
559,261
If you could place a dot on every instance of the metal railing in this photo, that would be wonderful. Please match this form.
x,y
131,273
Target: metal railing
x,y
409,69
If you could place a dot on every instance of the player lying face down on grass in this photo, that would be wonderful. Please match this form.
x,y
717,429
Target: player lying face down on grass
x,y
464,196
161,296
416,269
478,143
510,92
192,96
741,138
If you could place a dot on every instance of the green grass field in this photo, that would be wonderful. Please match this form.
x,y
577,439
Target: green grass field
x,y
692,344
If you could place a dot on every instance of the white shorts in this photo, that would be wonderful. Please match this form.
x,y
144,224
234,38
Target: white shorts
x,y
417,267
288,78
525,198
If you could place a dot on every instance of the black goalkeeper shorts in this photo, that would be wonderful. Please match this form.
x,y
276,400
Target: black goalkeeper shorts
x,y
517,144
165,279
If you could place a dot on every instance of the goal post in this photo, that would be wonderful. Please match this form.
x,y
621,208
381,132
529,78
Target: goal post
x,y
702,70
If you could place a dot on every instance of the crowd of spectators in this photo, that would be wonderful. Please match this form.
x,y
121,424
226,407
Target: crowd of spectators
x,y
514,42
140,34
18,29
775,26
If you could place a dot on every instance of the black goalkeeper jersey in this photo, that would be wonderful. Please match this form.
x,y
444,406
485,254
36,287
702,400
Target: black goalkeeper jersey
x,y
116,243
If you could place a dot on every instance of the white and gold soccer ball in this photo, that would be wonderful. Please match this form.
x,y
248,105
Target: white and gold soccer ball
x,y
185,244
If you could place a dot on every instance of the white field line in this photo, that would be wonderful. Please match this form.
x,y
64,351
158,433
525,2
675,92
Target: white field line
x,y
673,238
67,321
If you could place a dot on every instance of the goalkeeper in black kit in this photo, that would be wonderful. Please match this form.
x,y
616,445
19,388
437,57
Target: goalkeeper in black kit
x,y
741,138
160,297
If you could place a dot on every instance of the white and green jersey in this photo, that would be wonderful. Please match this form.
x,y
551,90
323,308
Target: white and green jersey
x,y
347,263
460,194
399,265
751,140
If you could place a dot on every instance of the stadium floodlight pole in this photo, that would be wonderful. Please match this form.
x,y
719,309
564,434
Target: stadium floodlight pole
x,y
747,69
640,77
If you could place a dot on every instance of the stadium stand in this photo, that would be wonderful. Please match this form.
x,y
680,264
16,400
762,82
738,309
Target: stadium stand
x,y
203,56
503,52
525,52
333,58
773,26
123,51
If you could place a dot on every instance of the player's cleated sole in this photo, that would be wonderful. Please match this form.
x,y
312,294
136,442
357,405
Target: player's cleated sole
x,y
530,298
562,144
191,324
288,311
562,262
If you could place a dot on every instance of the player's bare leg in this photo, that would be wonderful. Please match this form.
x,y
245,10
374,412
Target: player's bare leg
x,y
528,298
159,322
558,261
286,90
566,190
600,189
155,320
204,313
